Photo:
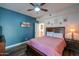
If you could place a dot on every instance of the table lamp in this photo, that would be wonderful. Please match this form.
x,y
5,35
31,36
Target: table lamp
x,y
72,30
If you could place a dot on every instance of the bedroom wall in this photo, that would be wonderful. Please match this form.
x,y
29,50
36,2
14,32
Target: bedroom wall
x,y
0,30
0,26
71,14
10,22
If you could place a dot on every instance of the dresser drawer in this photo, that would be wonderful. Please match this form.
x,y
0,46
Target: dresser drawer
x,y
2,48
73,45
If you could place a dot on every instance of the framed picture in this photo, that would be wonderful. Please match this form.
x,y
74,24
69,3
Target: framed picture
x,y
25,24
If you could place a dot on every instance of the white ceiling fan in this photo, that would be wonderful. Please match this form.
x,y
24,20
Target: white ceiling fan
x,y
38,7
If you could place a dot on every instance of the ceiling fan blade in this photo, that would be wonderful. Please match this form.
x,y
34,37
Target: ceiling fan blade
x,y
44,10
29,9
42,4
32,4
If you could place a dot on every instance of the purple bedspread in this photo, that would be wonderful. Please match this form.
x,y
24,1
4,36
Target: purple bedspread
x,y
50,46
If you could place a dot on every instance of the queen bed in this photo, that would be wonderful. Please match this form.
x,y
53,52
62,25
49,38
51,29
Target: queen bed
x,y
52,44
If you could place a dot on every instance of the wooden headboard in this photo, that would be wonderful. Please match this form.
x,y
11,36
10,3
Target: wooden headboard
x,y
56,30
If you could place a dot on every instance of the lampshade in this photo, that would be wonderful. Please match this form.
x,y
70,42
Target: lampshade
x,y
72,30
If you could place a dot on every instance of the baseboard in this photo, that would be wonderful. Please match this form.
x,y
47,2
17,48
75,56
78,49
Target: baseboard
x,y
14,45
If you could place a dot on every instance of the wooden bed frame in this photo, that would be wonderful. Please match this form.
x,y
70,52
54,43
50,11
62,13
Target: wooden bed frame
x,y
31,51
36,52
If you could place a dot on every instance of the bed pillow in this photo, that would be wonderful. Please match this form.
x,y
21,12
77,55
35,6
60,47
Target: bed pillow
x,y
53,34
58,35
50,34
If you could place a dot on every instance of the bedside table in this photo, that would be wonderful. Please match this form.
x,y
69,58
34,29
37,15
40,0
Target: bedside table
x,y
73,45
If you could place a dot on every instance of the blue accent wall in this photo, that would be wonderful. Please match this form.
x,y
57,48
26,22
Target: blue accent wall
x,y
0,26
10,22
0,30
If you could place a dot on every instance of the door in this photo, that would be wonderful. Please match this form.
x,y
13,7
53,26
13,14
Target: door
x,y
39,30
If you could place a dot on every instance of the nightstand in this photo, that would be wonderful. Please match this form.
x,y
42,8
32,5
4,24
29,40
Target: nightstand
x,y
73,45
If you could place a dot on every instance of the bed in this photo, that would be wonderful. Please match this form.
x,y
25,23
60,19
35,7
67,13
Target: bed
x,y
48,45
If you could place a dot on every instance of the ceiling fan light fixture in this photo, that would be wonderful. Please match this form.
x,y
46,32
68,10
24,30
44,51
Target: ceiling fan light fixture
x,y
37,9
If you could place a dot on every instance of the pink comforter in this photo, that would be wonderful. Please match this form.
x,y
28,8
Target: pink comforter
x,y
48,45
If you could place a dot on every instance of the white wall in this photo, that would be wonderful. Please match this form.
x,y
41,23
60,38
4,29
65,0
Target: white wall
x,y
72,16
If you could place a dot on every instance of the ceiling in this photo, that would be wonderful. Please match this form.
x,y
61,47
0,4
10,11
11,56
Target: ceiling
x,y
22,8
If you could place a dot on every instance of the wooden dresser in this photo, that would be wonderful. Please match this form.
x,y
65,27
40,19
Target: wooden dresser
x,y
2,46
73,45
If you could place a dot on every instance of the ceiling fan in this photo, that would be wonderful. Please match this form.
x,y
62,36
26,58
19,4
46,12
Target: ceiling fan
x,y
38,7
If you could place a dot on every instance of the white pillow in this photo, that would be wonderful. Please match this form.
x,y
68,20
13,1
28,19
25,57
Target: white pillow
x,y
53,34
58,35
50,34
